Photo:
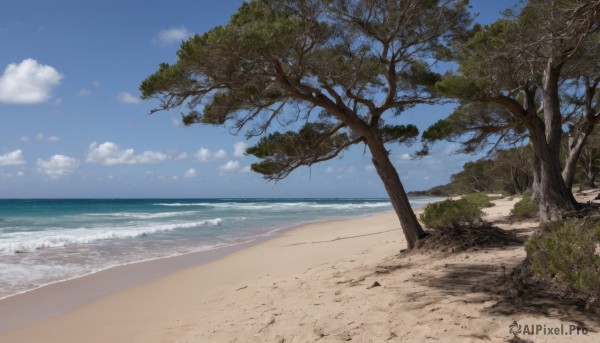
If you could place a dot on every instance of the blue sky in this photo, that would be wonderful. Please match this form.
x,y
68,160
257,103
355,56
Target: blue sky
x,y
73,125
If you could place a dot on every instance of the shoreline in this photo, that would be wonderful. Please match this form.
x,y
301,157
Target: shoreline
x,y
330,281
243,241
143,270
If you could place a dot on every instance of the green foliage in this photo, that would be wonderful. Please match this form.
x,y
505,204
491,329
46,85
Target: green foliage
x,y
281,153
507,172
525,208
278,63
480,199
399,133
569,251
452,215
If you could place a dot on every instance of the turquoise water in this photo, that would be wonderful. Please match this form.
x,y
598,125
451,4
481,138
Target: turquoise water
x,y
45,241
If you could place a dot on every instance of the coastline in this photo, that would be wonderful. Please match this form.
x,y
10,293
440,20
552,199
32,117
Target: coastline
x,y
329,281
22,309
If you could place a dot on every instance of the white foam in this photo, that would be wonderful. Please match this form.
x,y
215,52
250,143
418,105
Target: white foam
x,y
140,215
282,206
28,241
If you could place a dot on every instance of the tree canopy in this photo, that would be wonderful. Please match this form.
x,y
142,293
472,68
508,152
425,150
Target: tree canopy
x,y
515,82
329,70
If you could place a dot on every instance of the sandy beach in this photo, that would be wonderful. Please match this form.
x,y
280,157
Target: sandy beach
x,y
332,281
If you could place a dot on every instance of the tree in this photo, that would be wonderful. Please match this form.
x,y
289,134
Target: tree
x,y
583,111
516,66
589,162
338,66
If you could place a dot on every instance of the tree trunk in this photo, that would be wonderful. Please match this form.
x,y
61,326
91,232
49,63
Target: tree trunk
x,y
573,153
537,172
590,171
574,150
555,197
387,172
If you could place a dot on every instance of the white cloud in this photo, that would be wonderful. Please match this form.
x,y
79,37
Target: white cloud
x,y
239,149
127,98
404,157
13,158
58,101
40,137
109,154
57,166
28,82
246,169
219,154
176,155
370,168
329,170
176,122
96,84
190,173
205,155
172,35
230,166
84,92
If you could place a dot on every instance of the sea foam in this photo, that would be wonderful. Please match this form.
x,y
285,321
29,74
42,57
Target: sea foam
x,y
19,242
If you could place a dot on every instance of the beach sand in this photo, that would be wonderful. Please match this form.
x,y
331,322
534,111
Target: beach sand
x,y
328,282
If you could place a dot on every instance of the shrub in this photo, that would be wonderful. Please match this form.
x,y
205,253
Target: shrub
x,y
569,250
525,208
451,215
480,199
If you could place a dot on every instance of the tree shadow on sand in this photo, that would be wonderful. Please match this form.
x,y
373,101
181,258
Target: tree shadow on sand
x,y
513,294
512,291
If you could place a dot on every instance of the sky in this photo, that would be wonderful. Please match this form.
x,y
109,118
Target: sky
x,y
73,125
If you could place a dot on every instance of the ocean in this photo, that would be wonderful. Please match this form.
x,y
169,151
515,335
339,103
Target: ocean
x,y
46,241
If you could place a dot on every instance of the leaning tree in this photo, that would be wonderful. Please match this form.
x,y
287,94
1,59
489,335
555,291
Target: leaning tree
x,y
512,72
334,72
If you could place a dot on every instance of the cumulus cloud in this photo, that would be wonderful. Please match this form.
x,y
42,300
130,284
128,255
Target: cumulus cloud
x,y
239,149
404,157
13,158
172,35
205,155
109,154
246,169
230,166
128,98
58,166
53,139
190,173
28,82
179,155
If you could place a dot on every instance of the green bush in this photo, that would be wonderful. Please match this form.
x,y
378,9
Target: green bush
x,y
569,250
451,215
525,208
480,199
